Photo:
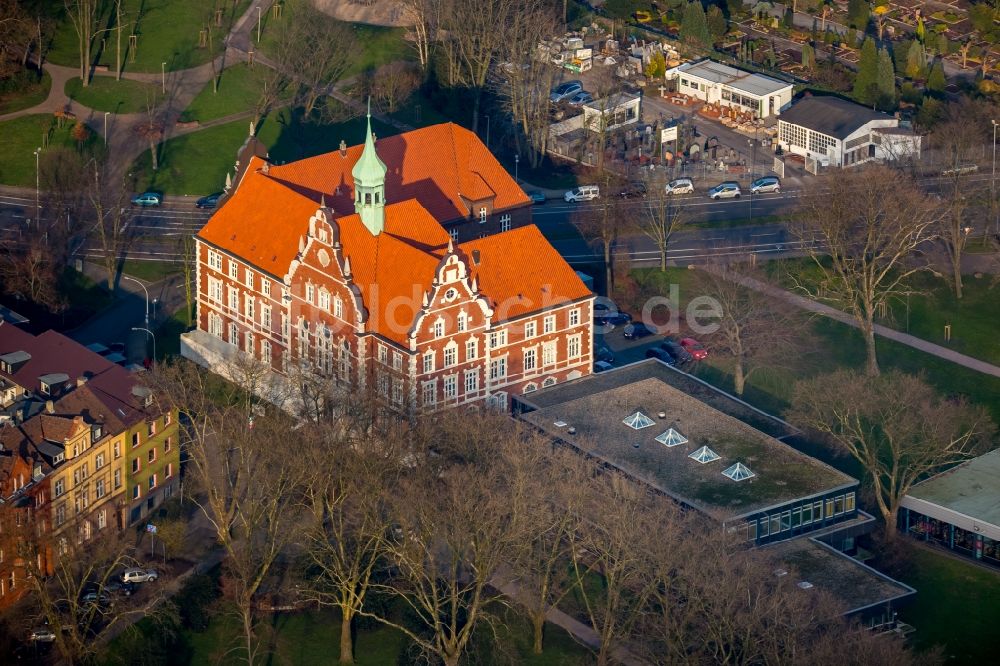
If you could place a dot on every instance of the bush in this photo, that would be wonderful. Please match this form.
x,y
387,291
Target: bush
x,y
196,598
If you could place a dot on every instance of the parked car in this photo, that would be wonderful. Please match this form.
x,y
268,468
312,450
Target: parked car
x,y
537,198
605,354
765,184
116,348
211,201
147,199
140,575
695,348
582,193
726,190
43,635
679,354
637,330
581,98
602,366
95,597
661,354
565,91
120,587
612,319
633,190
680,186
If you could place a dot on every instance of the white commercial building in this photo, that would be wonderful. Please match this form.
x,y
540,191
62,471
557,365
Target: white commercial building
x,y
714,82
618,110
834,132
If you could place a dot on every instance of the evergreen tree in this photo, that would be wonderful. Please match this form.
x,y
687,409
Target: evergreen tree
x,y
789,17
857,13
936,81
808,57
694,25
886,81
866,81
734,6
900,50
916,61
717,24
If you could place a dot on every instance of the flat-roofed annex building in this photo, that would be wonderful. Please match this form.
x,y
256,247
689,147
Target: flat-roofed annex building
x,y
637,420
958,509
346,264
727,86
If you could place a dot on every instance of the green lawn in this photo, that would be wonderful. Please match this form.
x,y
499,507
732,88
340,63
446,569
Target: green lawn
x,y
957,605
30,91
150,271
167,31
239,88
974,319
197,163
168,334
106,94
21,136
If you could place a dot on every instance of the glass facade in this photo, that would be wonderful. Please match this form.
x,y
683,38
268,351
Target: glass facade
x,y
800,517
964,542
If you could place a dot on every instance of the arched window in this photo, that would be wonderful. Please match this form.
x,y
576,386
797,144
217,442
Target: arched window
x,y
549,381
529,388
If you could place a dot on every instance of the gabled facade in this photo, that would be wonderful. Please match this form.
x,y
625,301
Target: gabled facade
x,y
379,295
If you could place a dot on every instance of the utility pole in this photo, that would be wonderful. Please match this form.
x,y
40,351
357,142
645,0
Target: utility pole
x,y
38,205
163,75
993,179
258,24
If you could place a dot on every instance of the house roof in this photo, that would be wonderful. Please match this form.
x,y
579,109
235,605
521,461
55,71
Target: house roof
x,y
831,116
444,167
749,82
518,271
969,489
52,355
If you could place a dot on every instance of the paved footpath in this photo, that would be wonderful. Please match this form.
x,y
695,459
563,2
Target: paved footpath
x,y
883,331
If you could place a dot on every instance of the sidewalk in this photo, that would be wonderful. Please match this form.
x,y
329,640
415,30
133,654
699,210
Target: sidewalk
x,y
883,331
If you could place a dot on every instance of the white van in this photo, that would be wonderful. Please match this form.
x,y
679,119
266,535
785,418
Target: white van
x,y
582,193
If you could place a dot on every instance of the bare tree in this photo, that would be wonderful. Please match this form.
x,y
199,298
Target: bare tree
x,y
959,139
85,15
112,215
151,130
393,83
426,16
315,53
756,331
661,218
119,26
458,522
601,223
895,425
862,233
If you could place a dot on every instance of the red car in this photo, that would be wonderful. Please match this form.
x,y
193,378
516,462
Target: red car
x,y
695,348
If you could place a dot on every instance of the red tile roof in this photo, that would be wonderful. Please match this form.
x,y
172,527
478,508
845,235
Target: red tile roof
x,y
51,353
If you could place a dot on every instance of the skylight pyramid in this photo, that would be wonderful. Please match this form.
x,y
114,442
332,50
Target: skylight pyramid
x,y
738,472
638,421
704,455
671,438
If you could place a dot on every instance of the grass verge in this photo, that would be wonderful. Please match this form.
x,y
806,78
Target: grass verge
x,y
21,136
150,271
106,94
239,88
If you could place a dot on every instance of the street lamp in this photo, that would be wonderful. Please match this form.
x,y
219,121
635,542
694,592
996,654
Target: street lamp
x,y
993,178
38,205
106,126
150,334
517,159
126,277
163,77
258,24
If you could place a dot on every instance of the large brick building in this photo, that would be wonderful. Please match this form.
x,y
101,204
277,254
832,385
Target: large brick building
x,y
406,266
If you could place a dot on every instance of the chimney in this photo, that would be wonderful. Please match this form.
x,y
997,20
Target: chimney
x,y
343,148
80,381
50,407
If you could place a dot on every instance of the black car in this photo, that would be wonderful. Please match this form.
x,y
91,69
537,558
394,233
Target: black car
x,y
208,202
118,587
679,354
604,354
633,191
612,319
661,354
638,330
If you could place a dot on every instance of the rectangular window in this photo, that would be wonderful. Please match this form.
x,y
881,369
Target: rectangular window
x,y
450,387
60,516
763,526
338,307
471,381
249,278
397,391
850,502
215,260
234,299
796,517
471,349
482,216
248,305
548,353
99,488
136,492
152,428
530,329
498,368
429,394
428,361
310,293
438,328
549,324
574,346
169,471
215,289
102,519
135,440
505,222
152,455
529,359
397,361
450,356
817,511
786,521
234,270
60,488
118,479
324,300
383,354
752,530
775,524
98,461
265,286
498,339
463,322
265,317
807,514
829,508
135,465
574,317
152,481
838,505
168,444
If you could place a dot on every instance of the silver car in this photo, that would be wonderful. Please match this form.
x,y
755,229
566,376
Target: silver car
x,y
727,190
765,184
680,186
